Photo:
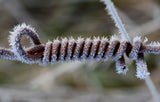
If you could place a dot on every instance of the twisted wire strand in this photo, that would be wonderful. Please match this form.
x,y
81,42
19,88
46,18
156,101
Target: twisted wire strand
x,y
81,49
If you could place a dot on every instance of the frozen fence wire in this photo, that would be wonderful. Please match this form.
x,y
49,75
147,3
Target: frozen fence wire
x,y
81,49
114,15
142,72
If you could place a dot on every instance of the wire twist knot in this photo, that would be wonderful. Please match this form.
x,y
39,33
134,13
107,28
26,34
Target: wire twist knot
x,y
81,49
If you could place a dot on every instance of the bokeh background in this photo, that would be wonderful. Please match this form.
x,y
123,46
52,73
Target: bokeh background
x,y
77,81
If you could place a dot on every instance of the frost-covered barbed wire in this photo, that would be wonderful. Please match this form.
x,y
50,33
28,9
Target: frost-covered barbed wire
x,y
141,64
112,11
80,49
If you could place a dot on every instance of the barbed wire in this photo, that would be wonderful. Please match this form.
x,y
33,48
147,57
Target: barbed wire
x,y
80,49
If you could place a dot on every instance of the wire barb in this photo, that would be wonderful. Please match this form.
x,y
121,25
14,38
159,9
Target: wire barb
x,y
81,49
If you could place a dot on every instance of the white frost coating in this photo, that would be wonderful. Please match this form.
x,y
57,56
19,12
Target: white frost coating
x,y
112,11
154,43
85,51
154,47
136,46
121,68
111,47
121,50
114,38
5,55
70,46
16,30
101,51
119,24
80,41
46,55
14,39
145,40
137,38
141,65
54,53
63,49
94,47
22,26
142,71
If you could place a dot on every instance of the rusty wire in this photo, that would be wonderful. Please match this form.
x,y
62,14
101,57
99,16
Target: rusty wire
x,y
72,50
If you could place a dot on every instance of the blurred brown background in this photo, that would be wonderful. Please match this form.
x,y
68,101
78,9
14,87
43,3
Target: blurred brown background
x,y
76,81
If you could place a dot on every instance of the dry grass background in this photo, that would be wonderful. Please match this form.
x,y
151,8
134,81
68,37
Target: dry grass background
x,y
75,81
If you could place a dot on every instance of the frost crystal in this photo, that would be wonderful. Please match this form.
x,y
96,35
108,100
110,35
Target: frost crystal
x,y
80,49
136,46
142,71
121,67
47,52
15,41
